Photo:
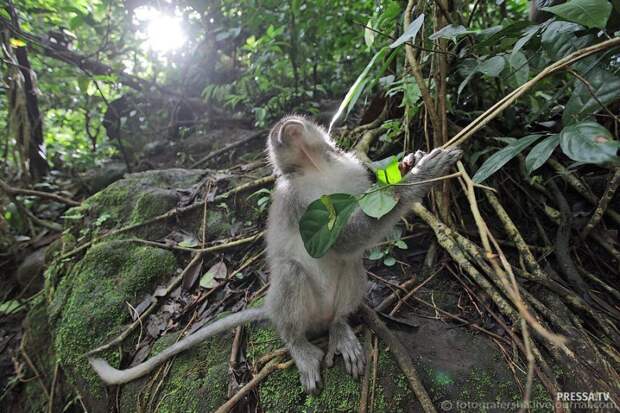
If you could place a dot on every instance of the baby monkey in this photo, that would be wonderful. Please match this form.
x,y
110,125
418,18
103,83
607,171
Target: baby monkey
x,y
311,295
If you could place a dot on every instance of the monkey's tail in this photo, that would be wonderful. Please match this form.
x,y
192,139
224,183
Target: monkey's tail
x,y
114,376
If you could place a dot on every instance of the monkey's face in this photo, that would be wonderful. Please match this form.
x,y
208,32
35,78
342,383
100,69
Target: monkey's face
x,y
297,145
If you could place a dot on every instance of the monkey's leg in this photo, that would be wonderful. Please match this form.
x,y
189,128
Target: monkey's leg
x,y
342,340
293,304
307,358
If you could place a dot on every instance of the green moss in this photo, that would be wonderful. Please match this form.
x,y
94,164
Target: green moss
x,y
282,392
340,392
198,379
90,301
152,203
392,394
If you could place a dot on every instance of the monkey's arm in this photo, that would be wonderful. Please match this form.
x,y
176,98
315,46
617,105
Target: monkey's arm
x,y
363,231
114,376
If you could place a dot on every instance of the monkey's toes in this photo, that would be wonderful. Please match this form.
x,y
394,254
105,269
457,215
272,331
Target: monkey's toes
x,y
311,380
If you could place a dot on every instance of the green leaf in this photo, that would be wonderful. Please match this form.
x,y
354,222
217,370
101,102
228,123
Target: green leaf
x,y
581,104
502,157
369,34
329,205
379,202
589,13
217,271
375,254
540,153
401,244
314,223
527,36
589,142
492,67
356,88
410,33
452,32
521,68
10,307
15,43
83,83
390,174
389,261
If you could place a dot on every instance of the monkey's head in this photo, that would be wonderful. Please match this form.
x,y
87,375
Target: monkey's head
x,y
297,144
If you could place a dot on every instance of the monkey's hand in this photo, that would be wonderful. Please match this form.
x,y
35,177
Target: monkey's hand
x,y
429,166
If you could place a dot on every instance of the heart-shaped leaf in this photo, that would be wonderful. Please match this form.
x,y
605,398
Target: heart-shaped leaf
x,y
589,13
314,225
589,142
378,202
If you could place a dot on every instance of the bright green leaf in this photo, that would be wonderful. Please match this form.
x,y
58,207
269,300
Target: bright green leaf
x,y
314,223
502,157
15,43
540,153
589,13
390,174
329,205
589,142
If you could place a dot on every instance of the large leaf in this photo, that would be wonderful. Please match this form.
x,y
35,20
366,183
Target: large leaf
x,y
559,39
317,226
606,88
452,32
589,142
589,13
492,67
540,153
526,37
520,67
502,157
378,203
410,33
356,89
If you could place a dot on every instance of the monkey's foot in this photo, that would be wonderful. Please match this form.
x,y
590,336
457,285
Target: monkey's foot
x,y
308,361
343,341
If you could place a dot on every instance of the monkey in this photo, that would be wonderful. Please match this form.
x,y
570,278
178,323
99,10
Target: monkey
x,y
61,38
306,295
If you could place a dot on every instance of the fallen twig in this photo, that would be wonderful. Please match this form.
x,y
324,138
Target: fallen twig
x,y
401,355
270,367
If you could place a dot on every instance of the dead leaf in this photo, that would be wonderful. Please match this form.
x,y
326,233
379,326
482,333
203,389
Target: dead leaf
x,y
191,275
217,271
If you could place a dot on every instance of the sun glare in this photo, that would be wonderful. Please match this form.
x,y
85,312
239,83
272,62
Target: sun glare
x,y
163,32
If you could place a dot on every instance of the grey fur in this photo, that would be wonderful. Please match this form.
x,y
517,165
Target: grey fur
x,y
308,295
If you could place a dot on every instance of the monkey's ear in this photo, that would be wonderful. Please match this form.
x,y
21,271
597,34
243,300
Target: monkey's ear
x,y
292,130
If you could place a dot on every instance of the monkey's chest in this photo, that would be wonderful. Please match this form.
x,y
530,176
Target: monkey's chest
x,y
342,286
